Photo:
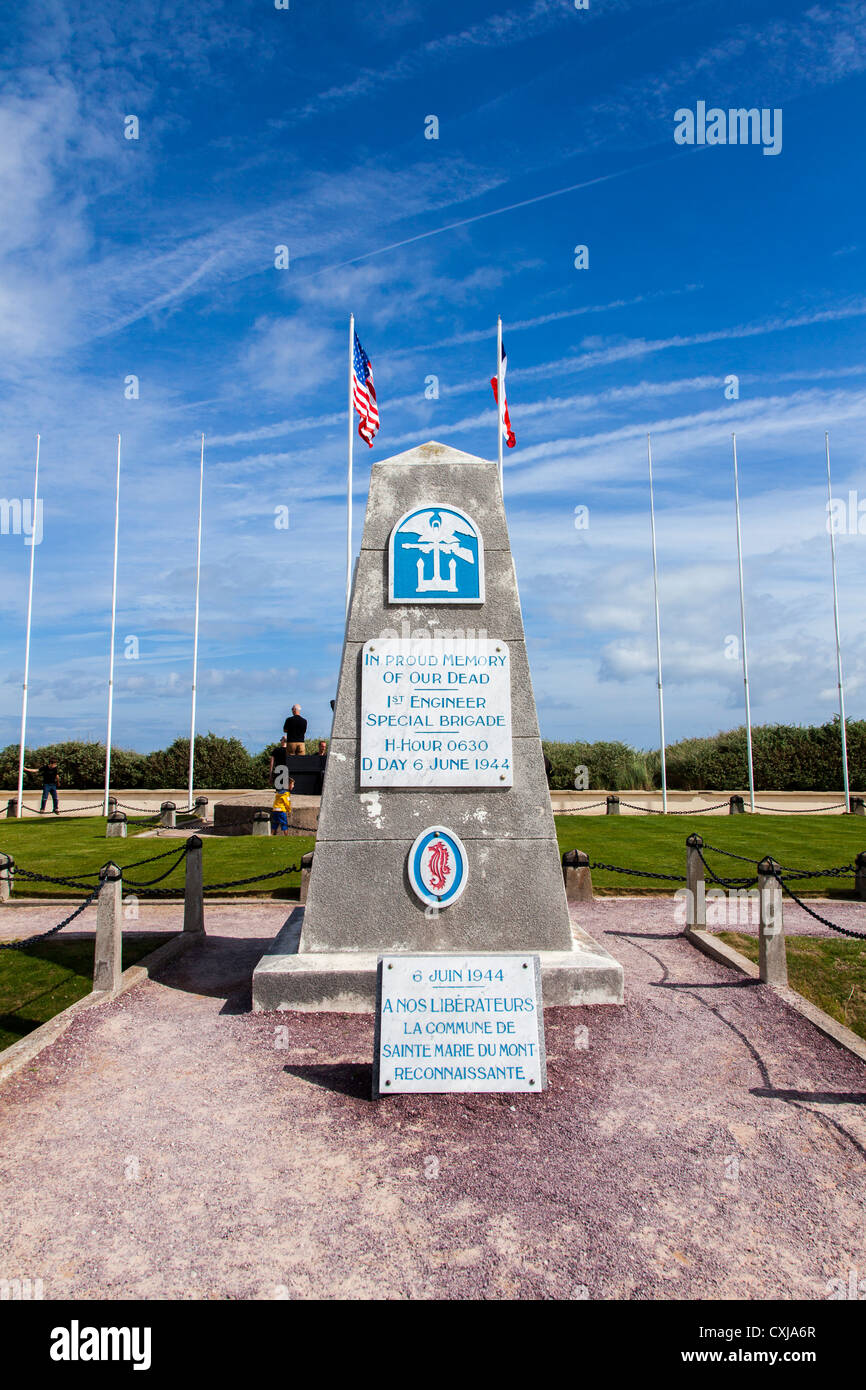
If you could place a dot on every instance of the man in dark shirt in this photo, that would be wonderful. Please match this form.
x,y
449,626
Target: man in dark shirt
x,y
322,752
50,778
295,729
278,769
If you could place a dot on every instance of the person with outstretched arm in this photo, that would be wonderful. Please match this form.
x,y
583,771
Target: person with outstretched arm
x,y
50,780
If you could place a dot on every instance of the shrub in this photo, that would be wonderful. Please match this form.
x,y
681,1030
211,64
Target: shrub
x,y
81,765
786,758
219,762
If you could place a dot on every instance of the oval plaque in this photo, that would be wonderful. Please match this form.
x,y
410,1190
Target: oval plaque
x,y
438,867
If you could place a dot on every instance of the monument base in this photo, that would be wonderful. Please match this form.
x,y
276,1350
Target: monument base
x,y
345,981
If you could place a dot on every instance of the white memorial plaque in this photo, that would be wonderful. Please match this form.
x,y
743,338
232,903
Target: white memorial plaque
x,y
459,1023
436,713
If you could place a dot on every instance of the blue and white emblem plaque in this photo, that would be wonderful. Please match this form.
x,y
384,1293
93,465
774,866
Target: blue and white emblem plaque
x,y
435,555
437,867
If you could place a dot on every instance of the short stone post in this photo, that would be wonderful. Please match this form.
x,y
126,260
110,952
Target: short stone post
x,y
201,807
108,949
857,806
193,888
612,806
7,874
116,825
696,901
577,875
167,815
112,805
772,956
736,806
261,823
306,868
12,808
860,876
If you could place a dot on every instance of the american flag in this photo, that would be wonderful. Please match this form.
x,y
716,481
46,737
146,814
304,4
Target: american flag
x,y
364,394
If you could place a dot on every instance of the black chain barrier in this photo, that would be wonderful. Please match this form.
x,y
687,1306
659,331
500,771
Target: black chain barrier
x,y
137,863
651,811
178,857
257,878
49,878
703,810
728,882
99,808
147,884
825,921
230,883
744,859
93,893
21,945
838,871
841,871
636,873
35,877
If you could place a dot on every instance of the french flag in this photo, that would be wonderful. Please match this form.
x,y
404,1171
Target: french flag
x,y
507,432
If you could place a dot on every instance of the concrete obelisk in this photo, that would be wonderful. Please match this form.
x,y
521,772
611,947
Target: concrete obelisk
x,y
435,831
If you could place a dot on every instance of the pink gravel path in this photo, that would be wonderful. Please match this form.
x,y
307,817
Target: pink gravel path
x,y
701,1142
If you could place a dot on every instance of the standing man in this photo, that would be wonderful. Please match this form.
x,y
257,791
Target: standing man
x,y
323,762
278,771
295,729
50,778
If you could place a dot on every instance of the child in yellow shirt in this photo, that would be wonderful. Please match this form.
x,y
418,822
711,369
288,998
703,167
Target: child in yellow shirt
x,y
281,809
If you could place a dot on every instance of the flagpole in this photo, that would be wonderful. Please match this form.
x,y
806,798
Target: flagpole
x,y
113,628
349,473
836,622
658,627
20,806
499,394
743,630
195,630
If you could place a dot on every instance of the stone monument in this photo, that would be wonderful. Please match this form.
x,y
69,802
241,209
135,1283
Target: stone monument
x,y
435,830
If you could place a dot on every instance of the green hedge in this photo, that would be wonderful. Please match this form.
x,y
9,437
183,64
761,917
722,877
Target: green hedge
x,y
219,762
610,766
787,758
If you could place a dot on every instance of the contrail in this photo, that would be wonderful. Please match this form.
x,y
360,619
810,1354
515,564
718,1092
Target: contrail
x,y
497,212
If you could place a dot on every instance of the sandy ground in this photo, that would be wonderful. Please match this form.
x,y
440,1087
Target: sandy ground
x,y
701,1142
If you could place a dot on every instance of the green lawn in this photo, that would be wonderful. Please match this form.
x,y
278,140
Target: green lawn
x,y
67,848
658,843
829,973
37,983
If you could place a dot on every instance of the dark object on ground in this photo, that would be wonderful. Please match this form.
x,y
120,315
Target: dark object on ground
x,y
309,774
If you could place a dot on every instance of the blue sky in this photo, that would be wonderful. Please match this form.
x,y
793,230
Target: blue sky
x,y
259,127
